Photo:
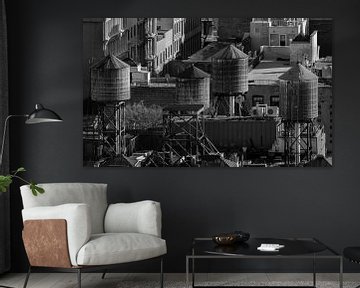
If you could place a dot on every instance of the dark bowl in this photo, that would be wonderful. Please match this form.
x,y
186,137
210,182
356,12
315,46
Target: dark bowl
x,y
241,236
225,239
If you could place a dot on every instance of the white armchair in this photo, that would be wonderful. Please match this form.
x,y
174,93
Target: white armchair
x,y
72,228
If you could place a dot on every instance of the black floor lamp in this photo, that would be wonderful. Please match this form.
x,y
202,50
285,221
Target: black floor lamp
x,y
39,115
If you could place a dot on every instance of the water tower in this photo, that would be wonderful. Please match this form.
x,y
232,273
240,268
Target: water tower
x,y
230,78
110,88
298,109
184,134
193,87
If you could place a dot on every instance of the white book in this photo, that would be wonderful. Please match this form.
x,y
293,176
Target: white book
x,y
270,247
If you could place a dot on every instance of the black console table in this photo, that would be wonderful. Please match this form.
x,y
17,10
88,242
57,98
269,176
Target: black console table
x,y
294,248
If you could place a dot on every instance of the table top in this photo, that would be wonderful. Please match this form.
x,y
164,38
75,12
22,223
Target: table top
x,y
293,247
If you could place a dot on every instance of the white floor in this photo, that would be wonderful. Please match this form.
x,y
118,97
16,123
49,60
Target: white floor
x,y
118,280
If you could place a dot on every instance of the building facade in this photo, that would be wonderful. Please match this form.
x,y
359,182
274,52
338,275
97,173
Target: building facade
x,y
324,26
209,31
325,106
93,48
153,42
276,31
192,37
304,49
121,36
230,29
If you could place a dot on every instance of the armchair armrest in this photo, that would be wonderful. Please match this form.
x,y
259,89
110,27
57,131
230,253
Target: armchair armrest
x,y
138,217
78,225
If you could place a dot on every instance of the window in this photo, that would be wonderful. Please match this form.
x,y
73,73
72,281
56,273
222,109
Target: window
x,y
274,100
282,40
274,40
257,99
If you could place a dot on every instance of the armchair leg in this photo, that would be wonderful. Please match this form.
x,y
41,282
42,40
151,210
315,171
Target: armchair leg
x,y
79,277
161,273
103,275
27,277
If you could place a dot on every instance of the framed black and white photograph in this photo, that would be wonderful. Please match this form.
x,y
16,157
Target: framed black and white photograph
x,y
207,92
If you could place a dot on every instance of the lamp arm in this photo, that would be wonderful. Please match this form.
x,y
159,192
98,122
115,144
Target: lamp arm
x,y
4,134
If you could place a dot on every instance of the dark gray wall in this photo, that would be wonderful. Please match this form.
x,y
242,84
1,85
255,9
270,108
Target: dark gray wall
x,y
45,66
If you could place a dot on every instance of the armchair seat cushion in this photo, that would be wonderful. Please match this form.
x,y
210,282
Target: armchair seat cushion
x,y
114,248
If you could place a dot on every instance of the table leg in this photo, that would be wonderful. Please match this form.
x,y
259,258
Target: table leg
x,y
314,271
341,273
187,272
193,267
193,272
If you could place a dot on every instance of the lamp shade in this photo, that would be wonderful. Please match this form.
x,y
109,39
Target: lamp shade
x,y
42,115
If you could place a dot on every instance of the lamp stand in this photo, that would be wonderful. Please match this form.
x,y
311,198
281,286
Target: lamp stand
x,y
4,135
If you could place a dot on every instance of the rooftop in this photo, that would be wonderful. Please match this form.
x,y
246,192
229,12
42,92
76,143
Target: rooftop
x,y
130,62
110,62
206,53
301,38
298,72
269,71
193,73
230,52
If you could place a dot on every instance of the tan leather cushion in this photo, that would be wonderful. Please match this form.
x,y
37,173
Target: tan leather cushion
x,y
77,219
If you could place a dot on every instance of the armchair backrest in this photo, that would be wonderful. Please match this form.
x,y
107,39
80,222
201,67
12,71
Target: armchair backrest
x,y
92,194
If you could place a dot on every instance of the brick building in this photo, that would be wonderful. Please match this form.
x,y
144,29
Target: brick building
x,y
153,42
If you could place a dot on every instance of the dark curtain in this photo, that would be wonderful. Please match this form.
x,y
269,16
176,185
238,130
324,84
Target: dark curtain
x,y
4,197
